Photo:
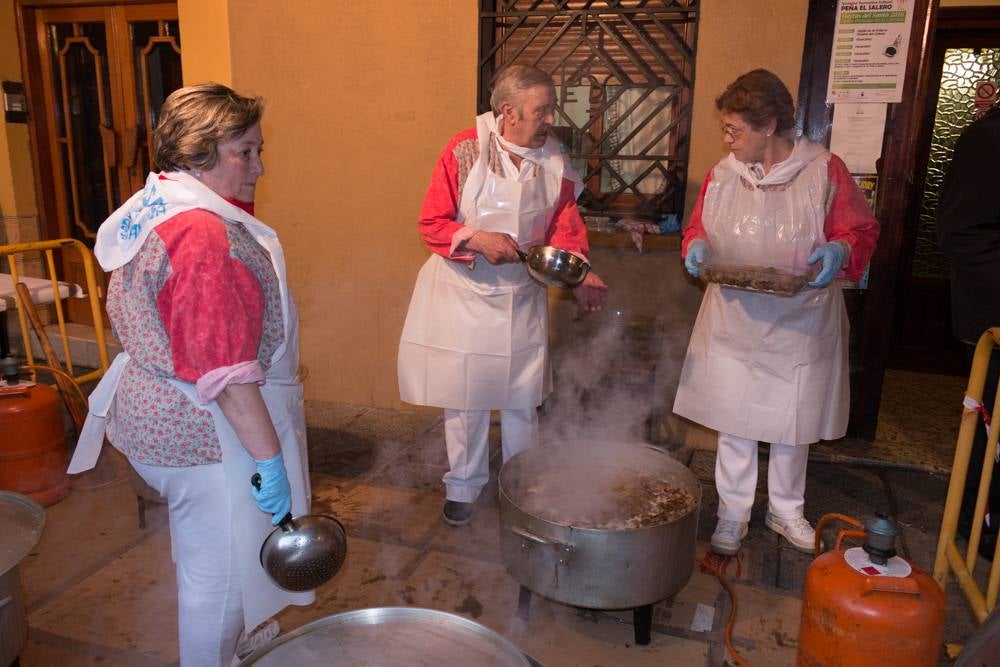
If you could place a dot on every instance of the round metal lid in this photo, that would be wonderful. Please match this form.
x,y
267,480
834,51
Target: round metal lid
x,y
390,636
21,523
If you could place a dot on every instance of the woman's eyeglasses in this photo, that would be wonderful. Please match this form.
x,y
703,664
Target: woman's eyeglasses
x,y
732,131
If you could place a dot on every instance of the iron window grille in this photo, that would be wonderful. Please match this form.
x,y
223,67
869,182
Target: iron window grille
x,y
624,74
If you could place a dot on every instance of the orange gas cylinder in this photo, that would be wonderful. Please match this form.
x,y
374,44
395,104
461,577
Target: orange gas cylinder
x,y
33,444
866,606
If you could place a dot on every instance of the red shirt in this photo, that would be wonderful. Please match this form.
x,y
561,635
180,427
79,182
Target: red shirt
x,y
438,214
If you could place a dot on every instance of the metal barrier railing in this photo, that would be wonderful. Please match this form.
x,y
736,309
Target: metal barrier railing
x,y
93,293
949,559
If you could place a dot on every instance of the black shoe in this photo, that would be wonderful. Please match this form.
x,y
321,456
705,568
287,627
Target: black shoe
x,y
457,513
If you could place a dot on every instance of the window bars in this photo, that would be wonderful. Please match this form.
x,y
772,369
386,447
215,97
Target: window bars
x,y
624,73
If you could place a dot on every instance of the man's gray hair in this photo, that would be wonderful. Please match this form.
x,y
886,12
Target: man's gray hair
x,y
514,80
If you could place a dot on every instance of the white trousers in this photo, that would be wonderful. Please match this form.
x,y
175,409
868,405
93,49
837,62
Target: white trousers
x,y
466,435
736,478
209,598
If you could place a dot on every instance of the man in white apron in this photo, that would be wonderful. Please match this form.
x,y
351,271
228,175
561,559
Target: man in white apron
x,y
763,367
476,333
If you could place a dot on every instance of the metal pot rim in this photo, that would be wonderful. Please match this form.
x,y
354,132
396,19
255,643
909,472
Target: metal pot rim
x,y
373,615
696,492
22,521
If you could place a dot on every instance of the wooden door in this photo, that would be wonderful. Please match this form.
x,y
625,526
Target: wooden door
x,y
966,52
97,76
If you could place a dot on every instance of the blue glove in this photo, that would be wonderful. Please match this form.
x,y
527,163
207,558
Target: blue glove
x,y
696,255
832,255
274,494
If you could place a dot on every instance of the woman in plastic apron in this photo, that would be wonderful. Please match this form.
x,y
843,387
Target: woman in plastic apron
x,y
764,367
476,334
216,528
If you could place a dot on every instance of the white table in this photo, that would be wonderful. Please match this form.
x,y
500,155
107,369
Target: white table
x,y
41,293
40,289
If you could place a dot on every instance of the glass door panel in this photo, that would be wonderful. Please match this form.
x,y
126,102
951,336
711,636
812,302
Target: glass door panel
x,y
104,73
84,122
156,63
108,70
962,70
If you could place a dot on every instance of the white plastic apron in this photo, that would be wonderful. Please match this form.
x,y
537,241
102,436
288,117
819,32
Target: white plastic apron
x,y
283,394
760,366
477,340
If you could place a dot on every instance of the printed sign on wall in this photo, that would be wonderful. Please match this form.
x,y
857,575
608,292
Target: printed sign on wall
x,y
870,44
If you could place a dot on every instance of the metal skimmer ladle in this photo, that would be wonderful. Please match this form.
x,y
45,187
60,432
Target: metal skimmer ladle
x,y
303,553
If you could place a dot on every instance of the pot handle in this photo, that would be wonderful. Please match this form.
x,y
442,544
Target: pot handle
x,y
537,539
566,550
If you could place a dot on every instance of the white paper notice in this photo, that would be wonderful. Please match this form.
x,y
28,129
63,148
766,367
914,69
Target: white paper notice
x,y
704,616
870,41
856,135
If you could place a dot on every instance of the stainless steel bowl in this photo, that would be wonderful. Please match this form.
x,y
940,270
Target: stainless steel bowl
x,y
555,267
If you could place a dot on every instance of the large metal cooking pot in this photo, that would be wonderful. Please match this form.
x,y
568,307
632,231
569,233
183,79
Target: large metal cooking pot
x,y
21,524
391,636
595,568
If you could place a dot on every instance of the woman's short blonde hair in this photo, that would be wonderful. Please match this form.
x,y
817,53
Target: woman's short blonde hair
x,y
760,97
514,80
194,120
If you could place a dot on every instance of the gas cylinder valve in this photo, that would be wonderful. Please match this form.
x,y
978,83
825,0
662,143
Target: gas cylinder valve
x,y
881,541
10,369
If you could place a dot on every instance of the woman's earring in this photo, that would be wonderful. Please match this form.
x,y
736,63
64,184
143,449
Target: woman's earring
x,y
197,173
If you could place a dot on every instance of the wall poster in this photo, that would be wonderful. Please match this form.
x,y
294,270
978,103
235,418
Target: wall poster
x,y
870,44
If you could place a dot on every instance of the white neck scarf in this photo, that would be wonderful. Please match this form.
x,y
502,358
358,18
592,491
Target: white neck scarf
x,y
551,157
803,152
121,236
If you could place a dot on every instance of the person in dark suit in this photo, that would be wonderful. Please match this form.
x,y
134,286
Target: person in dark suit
x,y
968,229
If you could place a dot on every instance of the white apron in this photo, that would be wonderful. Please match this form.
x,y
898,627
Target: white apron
x,y
477,339
760,366
282,393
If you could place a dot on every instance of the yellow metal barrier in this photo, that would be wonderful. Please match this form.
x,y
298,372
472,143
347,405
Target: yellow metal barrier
x,y
949,559
93,293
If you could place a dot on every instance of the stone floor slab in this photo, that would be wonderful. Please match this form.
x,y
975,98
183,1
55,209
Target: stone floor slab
x,y
46,649
384,512
557,634
74,543
480,538
769,621
119,603
413,476
386,424
368,578
322,415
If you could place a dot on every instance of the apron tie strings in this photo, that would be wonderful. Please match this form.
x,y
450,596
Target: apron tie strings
x,y
972,405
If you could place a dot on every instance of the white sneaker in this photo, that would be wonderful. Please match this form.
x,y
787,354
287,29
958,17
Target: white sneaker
x,y
258,637
796,530
728,536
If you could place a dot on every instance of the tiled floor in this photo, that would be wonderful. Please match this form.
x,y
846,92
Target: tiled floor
x,y
917,425
100,590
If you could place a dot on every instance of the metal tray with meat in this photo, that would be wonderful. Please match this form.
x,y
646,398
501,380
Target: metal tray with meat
x,y
769,279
